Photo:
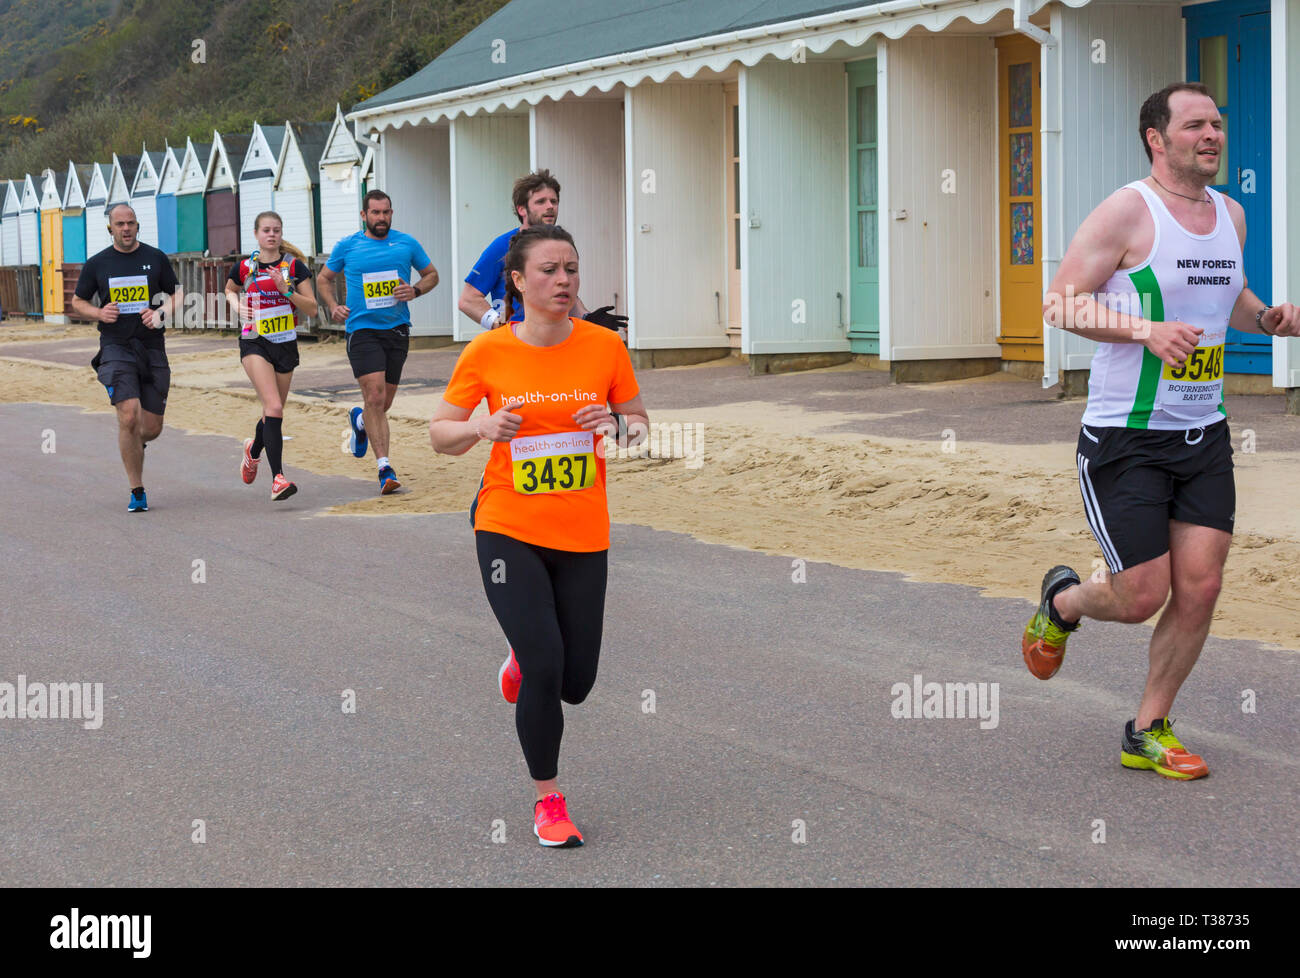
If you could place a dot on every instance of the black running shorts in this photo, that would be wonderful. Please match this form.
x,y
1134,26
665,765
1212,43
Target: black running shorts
x,y
134,371
1134,482
282,356
374,350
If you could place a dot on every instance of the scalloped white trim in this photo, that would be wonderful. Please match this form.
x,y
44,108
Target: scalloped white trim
x,y
687,59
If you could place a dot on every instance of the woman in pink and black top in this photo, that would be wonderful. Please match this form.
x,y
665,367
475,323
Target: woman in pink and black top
x,y
277,291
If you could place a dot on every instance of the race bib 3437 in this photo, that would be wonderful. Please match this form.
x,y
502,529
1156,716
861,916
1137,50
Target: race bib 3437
x,y
562,462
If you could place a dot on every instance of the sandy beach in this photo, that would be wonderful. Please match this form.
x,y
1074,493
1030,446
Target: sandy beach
x,y
769,477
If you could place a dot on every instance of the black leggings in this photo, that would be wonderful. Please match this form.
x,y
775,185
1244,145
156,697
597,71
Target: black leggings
x,y
551,606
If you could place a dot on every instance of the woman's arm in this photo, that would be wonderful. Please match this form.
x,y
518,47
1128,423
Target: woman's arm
x,y
636,422
303,298
451,432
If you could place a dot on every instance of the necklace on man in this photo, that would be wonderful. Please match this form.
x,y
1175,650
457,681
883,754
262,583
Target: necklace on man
x,y
1196,200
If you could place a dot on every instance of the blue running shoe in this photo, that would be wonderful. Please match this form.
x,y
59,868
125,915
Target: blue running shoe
x,y
358,441
388,480
137,504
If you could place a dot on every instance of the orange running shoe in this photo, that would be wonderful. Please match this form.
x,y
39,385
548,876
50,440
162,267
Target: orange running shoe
x,y
282,488
1157,749
248,467
551,823
1043,644
509,677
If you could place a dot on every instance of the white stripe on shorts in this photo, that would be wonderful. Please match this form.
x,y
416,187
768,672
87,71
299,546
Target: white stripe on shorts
x,y
1092,510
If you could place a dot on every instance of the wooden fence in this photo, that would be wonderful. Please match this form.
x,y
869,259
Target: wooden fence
x,y
70,275
20,291
207,277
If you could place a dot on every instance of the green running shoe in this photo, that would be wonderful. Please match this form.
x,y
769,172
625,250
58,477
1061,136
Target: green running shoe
x,y
1157,749
1043,644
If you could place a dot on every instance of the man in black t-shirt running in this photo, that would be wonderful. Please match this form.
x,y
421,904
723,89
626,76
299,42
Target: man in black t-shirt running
x,y
137,292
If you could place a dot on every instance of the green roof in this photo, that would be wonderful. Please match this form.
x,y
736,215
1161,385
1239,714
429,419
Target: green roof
x,y
545,34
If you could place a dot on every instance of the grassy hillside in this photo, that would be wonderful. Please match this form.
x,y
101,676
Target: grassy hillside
x,y
106,75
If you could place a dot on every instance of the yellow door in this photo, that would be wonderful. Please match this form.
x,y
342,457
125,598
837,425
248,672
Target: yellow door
x,y
1020,209
51,261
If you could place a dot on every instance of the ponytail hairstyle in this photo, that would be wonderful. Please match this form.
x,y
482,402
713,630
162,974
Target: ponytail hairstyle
x,y
517,256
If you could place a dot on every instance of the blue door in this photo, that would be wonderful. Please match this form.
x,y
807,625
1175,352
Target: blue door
x,y
1228,49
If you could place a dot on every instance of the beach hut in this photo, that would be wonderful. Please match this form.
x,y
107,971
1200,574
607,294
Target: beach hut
x,y
29,222
257,179
53,184
74,213
169,178
297,183
340,182
368,168
97,234
9,243
191,210
831,162
144,195
121,178
222,192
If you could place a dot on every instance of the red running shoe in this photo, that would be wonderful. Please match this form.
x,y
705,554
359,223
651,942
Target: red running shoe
x,y
248,467
551,823
509,678
282,488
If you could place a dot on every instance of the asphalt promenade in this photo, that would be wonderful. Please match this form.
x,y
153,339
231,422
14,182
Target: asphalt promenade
x,y
772,755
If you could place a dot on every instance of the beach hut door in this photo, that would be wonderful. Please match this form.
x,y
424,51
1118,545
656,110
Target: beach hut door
x,y
864,219
1020,200
1228,51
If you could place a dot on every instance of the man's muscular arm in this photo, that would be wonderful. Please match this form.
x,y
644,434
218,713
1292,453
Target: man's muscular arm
x,y
1099,248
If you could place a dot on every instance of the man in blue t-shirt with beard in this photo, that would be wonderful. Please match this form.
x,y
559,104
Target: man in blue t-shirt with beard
x,y
377,263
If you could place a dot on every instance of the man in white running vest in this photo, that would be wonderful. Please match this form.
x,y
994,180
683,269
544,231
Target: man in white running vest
x,y
1155,274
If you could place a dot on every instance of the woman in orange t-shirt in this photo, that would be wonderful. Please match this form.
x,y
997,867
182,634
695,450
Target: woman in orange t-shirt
x,y
541,520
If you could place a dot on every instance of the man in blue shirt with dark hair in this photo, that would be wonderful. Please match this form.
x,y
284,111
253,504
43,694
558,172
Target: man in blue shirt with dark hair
x,y
536,199
377,263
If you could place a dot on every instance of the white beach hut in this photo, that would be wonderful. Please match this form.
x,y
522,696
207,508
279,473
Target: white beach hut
x,y
340,182
144,195
10,252
29,222
297,183
257,179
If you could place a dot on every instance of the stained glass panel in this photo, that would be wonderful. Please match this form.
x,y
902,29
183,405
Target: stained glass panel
x,y
1022,164
1020,83
1022,234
